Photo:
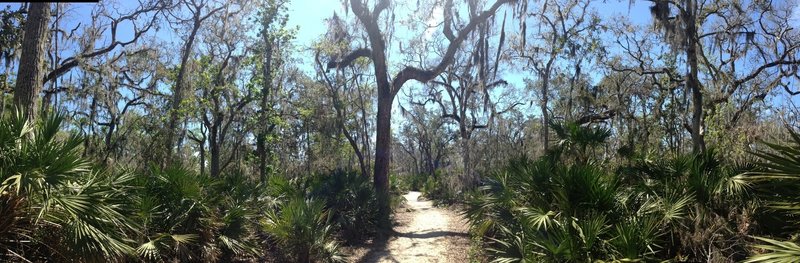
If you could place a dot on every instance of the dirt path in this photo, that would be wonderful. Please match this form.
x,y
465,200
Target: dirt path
x,y
424,234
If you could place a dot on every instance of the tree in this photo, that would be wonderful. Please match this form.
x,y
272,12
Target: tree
x,y
220,102
428,137
388,90
564,29
113,33
464,92
349,95
31,69
271,52
694,31
10,41
642,72
199,11
334,85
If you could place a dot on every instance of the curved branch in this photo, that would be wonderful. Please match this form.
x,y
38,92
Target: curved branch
x,y
347,60
421,75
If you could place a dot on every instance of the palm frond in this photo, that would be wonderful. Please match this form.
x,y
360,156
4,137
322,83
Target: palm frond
x,y
778,252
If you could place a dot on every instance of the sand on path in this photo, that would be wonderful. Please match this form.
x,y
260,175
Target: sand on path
x,y
425,233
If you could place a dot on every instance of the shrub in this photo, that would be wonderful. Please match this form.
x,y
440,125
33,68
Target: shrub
x,y
188,216
303,230
777,181
55,207
347,198
350,198
436,189
566,206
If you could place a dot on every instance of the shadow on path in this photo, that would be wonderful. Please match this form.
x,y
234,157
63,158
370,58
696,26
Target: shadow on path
x,y
378,250
433,234
422,234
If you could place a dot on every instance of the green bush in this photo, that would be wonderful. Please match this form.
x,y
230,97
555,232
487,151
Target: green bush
x,y
399,185
569,207
350,198
436,190
347,197
409,182
54,205
303,231
778,181
189,216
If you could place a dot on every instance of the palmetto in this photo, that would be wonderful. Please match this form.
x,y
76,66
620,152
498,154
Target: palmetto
x,y
779,178
300,223
58,206
188,216
570,207
54,204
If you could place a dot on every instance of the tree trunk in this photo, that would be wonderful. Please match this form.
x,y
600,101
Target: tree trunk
x,y
692,82
383,144
3,91
261,141
177,93
387,90
88,148
31,63
469,178
353,144
365,141
545,115
214,146
203,156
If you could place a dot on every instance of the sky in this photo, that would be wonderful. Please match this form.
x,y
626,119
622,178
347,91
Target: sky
x,y
309,15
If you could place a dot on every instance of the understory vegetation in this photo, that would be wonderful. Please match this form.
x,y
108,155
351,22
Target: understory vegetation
x,y
571,206
60,206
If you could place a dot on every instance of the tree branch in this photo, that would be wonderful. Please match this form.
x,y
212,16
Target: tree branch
x,y
347,60
421,75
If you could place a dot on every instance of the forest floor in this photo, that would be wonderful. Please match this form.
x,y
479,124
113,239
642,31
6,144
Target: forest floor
x,y
424,233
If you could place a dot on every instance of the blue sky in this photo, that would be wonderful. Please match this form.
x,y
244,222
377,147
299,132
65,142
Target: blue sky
x,y
309,15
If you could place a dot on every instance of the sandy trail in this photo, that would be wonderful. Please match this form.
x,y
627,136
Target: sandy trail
x,y
425,234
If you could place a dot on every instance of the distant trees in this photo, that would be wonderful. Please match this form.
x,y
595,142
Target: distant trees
x,y
198,12
427,139
562,37
466,93
348,89
272,51
732,53
220,102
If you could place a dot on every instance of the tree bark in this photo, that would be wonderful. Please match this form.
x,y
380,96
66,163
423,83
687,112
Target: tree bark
x,y
31,63
383,149
692,82
214,148
543,105
177,93
261,141
469,177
